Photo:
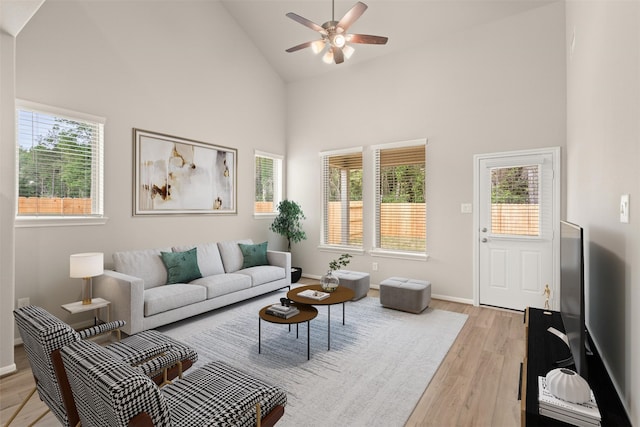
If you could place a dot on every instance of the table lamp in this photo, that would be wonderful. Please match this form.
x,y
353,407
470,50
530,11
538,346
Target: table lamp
x,y
86,266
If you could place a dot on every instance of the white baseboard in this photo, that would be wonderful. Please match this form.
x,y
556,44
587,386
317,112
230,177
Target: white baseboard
x,y
453,299
6,370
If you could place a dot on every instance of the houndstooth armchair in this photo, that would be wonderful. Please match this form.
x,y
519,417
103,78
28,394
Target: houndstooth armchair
x,y
44,335
110,393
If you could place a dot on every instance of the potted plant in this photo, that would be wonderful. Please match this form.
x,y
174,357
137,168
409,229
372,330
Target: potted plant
x,y
329,281
288,224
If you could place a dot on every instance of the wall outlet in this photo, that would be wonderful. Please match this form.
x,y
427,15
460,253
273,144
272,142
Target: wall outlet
x,y
23,302
374,266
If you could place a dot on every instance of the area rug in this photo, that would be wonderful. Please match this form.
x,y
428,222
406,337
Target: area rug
x,y
379,364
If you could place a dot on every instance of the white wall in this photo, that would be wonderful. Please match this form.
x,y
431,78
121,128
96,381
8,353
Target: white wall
x,y
7,207
13,17
603,154
177,67
494,88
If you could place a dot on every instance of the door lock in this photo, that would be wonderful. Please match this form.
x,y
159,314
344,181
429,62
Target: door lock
x,y
484,229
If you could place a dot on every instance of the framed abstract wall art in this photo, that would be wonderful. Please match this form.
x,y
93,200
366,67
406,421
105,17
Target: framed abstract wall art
x,y
180,176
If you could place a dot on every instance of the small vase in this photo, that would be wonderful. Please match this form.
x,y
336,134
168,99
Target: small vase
x,y
329,282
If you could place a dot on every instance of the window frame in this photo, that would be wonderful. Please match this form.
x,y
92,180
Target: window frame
x,y
278,183
97,217
324,245
376,250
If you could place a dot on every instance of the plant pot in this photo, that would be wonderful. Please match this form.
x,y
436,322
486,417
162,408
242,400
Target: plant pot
x,y
296,274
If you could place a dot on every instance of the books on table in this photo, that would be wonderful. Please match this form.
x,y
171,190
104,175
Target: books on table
x,y
282,311
316,295
581,414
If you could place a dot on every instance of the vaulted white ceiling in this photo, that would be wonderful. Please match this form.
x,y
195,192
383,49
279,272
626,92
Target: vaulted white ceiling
x,y
407,23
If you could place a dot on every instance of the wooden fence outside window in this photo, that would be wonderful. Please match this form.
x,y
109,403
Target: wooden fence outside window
x,y
53,206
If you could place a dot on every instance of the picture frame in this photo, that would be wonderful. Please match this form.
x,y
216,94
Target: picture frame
x,y
179,176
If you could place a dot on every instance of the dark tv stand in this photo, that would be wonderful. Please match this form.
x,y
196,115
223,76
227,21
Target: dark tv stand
x,y
542,350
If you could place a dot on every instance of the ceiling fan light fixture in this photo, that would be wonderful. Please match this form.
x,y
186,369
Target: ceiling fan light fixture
x,y
339,40
318,46
348,51
328,57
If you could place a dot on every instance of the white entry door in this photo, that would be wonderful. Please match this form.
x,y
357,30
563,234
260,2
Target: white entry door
x,y
518,212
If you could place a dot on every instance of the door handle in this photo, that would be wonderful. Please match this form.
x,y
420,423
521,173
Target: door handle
x,y
484,229
484,240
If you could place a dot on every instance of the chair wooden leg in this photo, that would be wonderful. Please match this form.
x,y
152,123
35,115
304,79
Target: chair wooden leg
x,y
165,378
258,415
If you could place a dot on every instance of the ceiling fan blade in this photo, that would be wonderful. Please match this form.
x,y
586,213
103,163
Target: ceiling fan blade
x,y
366,39
300,46
338,56
304,21
352,15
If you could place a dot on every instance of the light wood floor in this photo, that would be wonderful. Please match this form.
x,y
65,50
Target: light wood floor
x,y
476,384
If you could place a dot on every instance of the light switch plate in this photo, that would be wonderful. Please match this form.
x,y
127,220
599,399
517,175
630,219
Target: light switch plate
x,y
466,208
624,208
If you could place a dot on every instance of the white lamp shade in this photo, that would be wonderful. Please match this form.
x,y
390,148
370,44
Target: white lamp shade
x,y
86,265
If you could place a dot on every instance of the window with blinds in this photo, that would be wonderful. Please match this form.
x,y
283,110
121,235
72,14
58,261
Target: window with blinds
x,y
401,214
268,183
342,199
60,162
515,200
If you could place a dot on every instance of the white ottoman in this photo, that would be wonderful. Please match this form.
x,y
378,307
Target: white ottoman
x,y
404,294
357,281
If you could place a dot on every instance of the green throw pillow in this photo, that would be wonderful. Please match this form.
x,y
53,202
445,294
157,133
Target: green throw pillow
x,y
182,267
254,254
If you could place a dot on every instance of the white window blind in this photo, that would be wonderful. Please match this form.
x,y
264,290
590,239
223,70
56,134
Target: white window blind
x,y
60,162
515,200
342,199
268,183
400,198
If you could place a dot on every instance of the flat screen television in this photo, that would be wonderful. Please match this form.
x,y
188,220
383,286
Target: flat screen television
x,y
572,303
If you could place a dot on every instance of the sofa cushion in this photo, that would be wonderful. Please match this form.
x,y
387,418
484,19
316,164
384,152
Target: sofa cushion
x,y
263,274
209,260
145,264
182,267
254,255
231,254
164,298
222,284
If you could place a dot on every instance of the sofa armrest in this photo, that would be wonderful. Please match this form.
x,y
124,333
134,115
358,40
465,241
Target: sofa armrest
x,y
281,259
126,294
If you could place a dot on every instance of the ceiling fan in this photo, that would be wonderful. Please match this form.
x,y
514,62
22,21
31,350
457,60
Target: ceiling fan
x,y
335,41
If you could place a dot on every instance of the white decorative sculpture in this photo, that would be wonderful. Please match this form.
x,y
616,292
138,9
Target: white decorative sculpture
x,y
567,385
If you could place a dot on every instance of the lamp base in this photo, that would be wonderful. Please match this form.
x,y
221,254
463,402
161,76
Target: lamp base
x,y
86,291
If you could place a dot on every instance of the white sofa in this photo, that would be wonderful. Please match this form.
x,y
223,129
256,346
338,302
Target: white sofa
x,y
139,294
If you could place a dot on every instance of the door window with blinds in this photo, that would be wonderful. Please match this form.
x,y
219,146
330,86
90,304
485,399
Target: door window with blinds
x,y
268,183
515,201
401,214
60,162
342,198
